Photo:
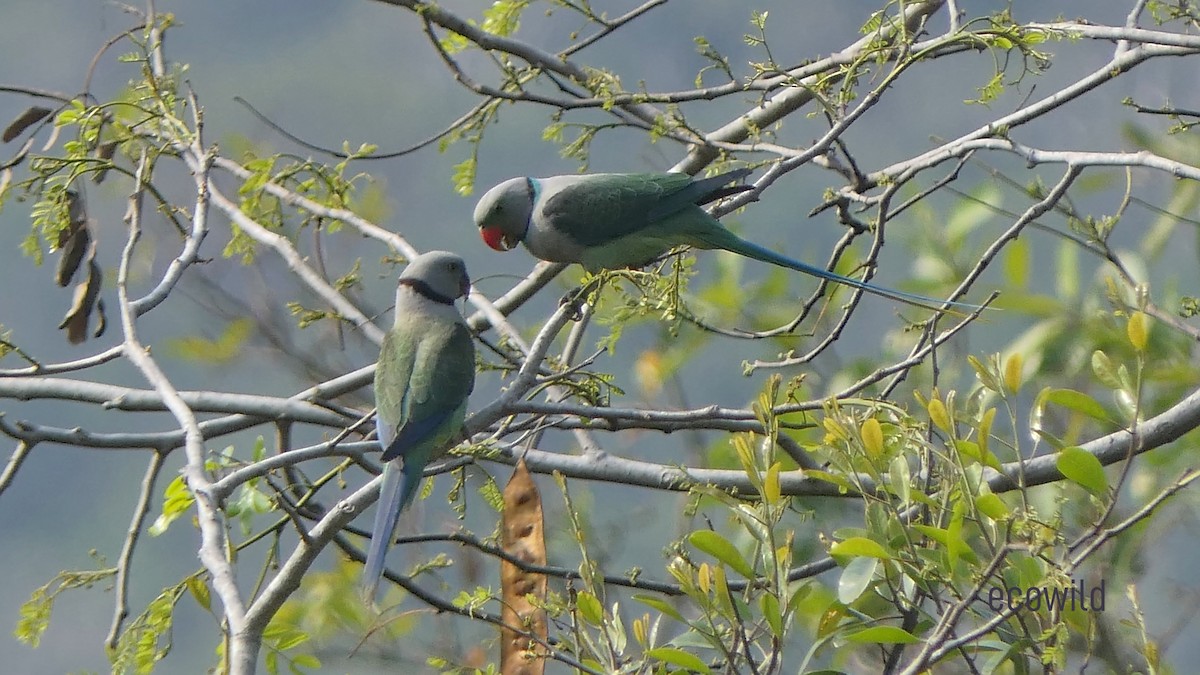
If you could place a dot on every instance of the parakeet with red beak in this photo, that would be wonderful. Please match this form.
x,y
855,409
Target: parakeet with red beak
x,y
620,220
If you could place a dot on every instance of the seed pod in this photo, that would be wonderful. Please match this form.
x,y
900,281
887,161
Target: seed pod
x,y
523,538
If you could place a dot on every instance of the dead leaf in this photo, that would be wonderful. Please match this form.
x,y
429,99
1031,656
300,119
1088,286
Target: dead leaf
x,y
74,240
101,319
104,153
86,294
30,117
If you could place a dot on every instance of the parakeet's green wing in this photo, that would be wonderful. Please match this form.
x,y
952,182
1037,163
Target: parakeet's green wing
x,y
607,207
396,358
450,375
434,407
411,401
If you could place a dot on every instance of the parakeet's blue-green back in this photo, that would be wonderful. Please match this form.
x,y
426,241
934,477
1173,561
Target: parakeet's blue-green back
x,y
425,373
617,205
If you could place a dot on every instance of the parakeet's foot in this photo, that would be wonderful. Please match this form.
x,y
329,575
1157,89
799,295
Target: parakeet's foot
x,y
580,296
575,299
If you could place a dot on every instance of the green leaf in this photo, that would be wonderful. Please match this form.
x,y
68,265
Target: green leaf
x,y
771,490
836,479
872,437
1012,372
503,17
938,414
1138,329
291,639
986,377
661,605
891,635
589,608
1102,367
992,506
1037,416
1082,467
199,591
304,661
454,43
719,547
492,496
985,432
224,349
615,630
1067,276
769,606
856,579
954,538
464,176
803,590
694,640
899,479
678,657
1079,402
972,451
177,500
553,132
35,617
1017,264
1125,403
938,534
858,547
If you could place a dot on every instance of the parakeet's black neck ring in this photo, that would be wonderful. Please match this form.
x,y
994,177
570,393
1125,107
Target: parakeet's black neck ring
x,y
533,188
426,291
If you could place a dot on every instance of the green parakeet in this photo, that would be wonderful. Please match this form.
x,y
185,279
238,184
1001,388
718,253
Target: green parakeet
x,y
426,372
618,220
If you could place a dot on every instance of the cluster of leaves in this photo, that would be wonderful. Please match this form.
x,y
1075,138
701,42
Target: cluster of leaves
x,y
934,535
329,186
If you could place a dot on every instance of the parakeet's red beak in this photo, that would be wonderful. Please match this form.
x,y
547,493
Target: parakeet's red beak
x,y
496,239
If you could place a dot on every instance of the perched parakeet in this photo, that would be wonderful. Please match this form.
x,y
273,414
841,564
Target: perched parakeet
x,y
426,371
617,220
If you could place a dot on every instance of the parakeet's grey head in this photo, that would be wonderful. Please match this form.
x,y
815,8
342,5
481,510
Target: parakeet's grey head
x,y
503,213
437,275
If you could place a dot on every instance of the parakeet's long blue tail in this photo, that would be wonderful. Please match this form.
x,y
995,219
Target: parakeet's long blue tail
x,y
398,489
751,250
